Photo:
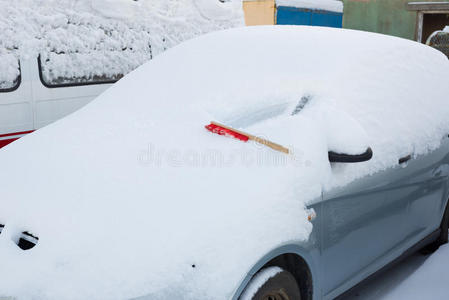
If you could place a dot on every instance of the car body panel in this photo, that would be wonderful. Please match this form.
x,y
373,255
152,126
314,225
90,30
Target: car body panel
x,y
364,226
360,218
402,211
309,251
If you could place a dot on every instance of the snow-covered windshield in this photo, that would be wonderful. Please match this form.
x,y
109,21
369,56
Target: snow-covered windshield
x,y
245,117
254,115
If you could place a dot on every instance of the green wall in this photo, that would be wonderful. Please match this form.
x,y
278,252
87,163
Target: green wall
x,y
383,16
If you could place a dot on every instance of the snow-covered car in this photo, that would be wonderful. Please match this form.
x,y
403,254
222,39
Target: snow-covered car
x,y
255,163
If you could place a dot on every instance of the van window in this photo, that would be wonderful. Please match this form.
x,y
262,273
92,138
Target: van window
x,y
74,69
96,53
10,76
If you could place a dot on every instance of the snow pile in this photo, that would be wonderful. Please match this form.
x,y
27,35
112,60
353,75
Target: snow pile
x,y
328,5
137,198
429,280
102,39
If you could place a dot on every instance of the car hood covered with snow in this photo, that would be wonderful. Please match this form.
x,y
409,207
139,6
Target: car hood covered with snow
x,y
132,196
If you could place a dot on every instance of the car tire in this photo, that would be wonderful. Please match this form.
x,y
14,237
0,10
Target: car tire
x,y
444,235
282,286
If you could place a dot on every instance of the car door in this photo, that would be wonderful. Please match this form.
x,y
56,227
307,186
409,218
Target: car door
x,y
369,223
427,207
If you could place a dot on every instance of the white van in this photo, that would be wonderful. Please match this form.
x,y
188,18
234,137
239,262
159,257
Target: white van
x,y
33,101
71,51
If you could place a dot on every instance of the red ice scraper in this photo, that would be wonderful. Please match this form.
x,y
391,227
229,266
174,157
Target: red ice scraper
x,y
221,129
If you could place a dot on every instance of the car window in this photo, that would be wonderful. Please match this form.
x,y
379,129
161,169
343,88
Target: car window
x,y
10,76
440,41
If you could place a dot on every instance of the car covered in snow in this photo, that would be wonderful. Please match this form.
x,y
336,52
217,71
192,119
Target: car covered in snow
x,y
281,162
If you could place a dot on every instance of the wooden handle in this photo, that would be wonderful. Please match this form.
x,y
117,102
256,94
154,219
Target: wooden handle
x,y
259,140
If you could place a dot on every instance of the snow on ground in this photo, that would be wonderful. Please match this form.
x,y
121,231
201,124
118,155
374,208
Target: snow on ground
x,y
329,5
88,38
137,198
417,277
429,281
382,284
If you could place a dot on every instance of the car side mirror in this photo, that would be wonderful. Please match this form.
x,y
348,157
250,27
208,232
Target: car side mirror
x,y
350,158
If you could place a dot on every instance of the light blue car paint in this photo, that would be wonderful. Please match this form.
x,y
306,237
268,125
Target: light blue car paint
x,y
364,226
307,250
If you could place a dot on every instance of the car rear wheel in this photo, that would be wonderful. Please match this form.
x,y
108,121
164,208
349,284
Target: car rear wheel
x,y
444,235
282,286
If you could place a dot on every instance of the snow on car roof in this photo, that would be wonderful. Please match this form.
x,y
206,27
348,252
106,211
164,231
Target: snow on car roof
x,y
132,196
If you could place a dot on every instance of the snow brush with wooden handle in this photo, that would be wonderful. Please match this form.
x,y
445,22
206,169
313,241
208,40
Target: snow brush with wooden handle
x,y
221,129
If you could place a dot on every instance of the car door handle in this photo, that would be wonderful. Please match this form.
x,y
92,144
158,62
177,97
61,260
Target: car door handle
x,y
405,159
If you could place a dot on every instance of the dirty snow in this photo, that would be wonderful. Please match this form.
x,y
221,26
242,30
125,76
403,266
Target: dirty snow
x,y
86,39
328,5
136,198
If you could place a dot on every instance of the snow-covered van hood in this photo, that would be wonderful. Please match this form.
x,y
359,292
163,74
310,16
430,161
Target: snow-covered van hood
x,y
132,196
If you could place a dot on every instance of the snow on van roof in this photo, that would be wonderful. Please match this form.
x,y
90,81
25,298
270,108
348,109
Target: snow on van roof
x,y
327,5
101,38
132,196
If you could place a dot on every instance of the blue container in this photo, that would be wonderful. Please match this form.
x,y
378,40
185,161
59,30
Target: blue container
x,y
301,16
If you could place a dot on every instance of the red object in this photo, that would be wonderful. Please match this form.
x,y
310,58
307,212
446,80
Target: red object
x,y
14,136
226,132
16,133
3,143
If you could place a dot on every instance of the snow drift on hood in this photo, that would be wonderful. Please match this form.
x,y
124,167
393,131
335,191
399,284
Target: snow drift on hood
x,y
131,196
